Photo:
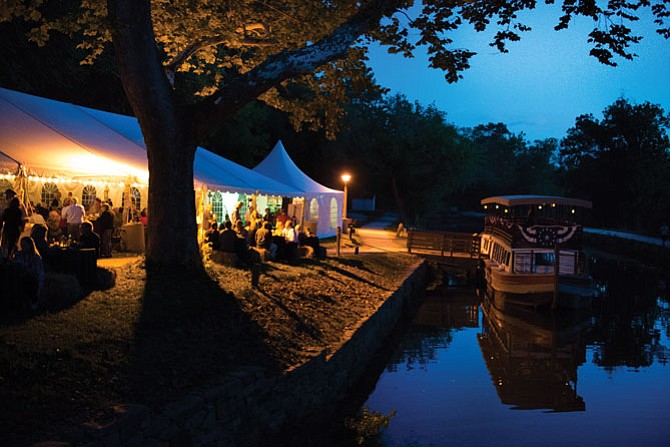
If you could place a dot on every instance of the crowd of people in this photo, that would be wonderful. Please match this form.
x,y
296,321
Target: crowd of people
x,y
64,223
279,234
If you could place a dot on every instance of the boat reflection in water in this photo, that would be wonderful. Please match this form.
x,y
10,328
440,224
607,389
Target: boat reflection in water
x,y
533,357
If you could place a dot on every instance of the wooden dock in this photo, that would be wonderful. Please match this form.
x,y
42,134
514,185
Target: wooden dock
x,y
454,256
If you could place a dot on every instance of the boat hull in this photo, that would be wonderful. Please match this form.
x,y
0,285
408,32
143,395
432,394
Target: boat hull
x,y
537,289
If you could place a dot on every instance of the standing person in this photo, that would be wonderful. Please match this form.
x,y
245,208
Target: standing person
x,y
9,195
268,216
236,214
74,216
282,218
56,202
251,215
32,274
106,227
96,207
664,233
12,225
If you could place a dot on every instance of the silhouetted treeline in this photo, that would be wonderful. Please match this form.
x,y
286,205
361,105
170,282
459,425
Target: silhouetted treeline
x,y
413,160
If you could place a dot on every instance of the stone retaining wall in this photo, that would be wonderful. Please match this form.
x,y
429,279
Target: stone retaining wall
x,y
248,406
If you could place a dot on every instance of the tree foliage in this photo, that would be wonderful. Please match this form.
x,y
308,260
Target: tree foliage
x,y
621,162
409,150
506,163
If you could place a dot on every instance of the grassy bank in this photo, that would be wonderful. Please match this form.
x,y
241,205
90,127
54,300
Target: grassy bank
x,y
151,340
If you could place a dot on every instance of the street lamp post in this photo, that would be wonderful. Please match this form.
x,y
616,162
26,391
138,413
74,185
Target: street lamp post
x,y
345,179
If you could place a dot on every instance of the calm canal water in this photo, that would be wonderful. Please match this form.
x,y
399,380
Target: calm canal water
x,y
466,374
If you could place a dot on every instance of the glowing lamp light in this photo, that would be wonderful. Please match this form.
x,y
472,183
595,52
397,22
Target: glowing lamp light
x,y
345,178
539,207
573,211
553,205
506,210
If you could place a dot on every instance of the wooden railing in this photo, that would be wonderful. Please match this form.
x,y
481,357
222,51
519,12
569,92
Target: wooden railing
x,y
443,243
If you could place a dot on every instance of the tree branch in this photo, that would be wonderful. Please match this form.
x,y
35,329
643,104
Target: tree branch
x,y
208,115
172,66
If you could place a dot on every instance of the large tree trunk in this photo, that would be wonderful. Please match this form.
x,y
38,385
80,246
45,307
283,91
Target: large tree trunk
x,y
170,150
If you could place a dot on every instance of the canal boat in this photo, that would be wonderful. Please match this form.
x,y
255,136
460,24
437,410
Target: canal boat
x,y
531,251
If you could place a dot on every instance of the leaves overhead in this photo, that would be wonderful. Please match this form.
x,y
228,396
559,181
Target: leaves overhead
x,y
219,38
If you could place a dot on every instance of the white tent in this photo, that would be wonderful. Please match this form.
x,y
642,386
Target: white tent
x,y
76,149
72,147
323,205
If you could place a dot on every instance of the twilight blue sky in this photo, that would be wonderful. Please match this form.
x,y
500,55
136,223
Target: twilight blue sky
x,y
543,83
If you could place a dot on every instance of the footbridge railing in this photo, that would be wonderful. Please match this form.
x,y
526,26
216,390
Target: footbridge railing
x,y
444,244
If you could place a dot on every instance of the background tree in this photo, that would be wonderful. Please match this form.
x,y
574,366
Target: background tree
x,y
409,151
536,172
248,49
621,163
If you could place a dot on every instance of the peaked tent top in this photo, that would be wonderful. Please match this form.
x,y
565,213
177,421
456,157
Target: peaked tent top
x,y
279,166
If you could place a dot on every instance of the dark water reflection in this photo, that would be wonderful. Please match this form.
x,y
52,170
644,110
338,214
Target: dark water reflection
x,y
467,374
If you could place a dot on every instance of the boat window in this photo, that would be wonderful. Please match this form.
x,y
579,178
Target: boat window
x,y
522,263
544,259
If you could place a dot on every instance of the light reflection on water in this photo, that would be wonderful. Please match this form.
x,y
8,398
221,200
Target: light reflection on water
x,y
466,374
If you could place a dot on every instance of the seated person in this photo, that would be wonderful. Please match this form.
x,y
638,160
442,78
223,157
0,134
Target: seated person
x,y
228,238
240,230
302,235
42,211
264,239
279,229
254,226
39,235
290,234
291,238
88,238
32,272
311,240
212,236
